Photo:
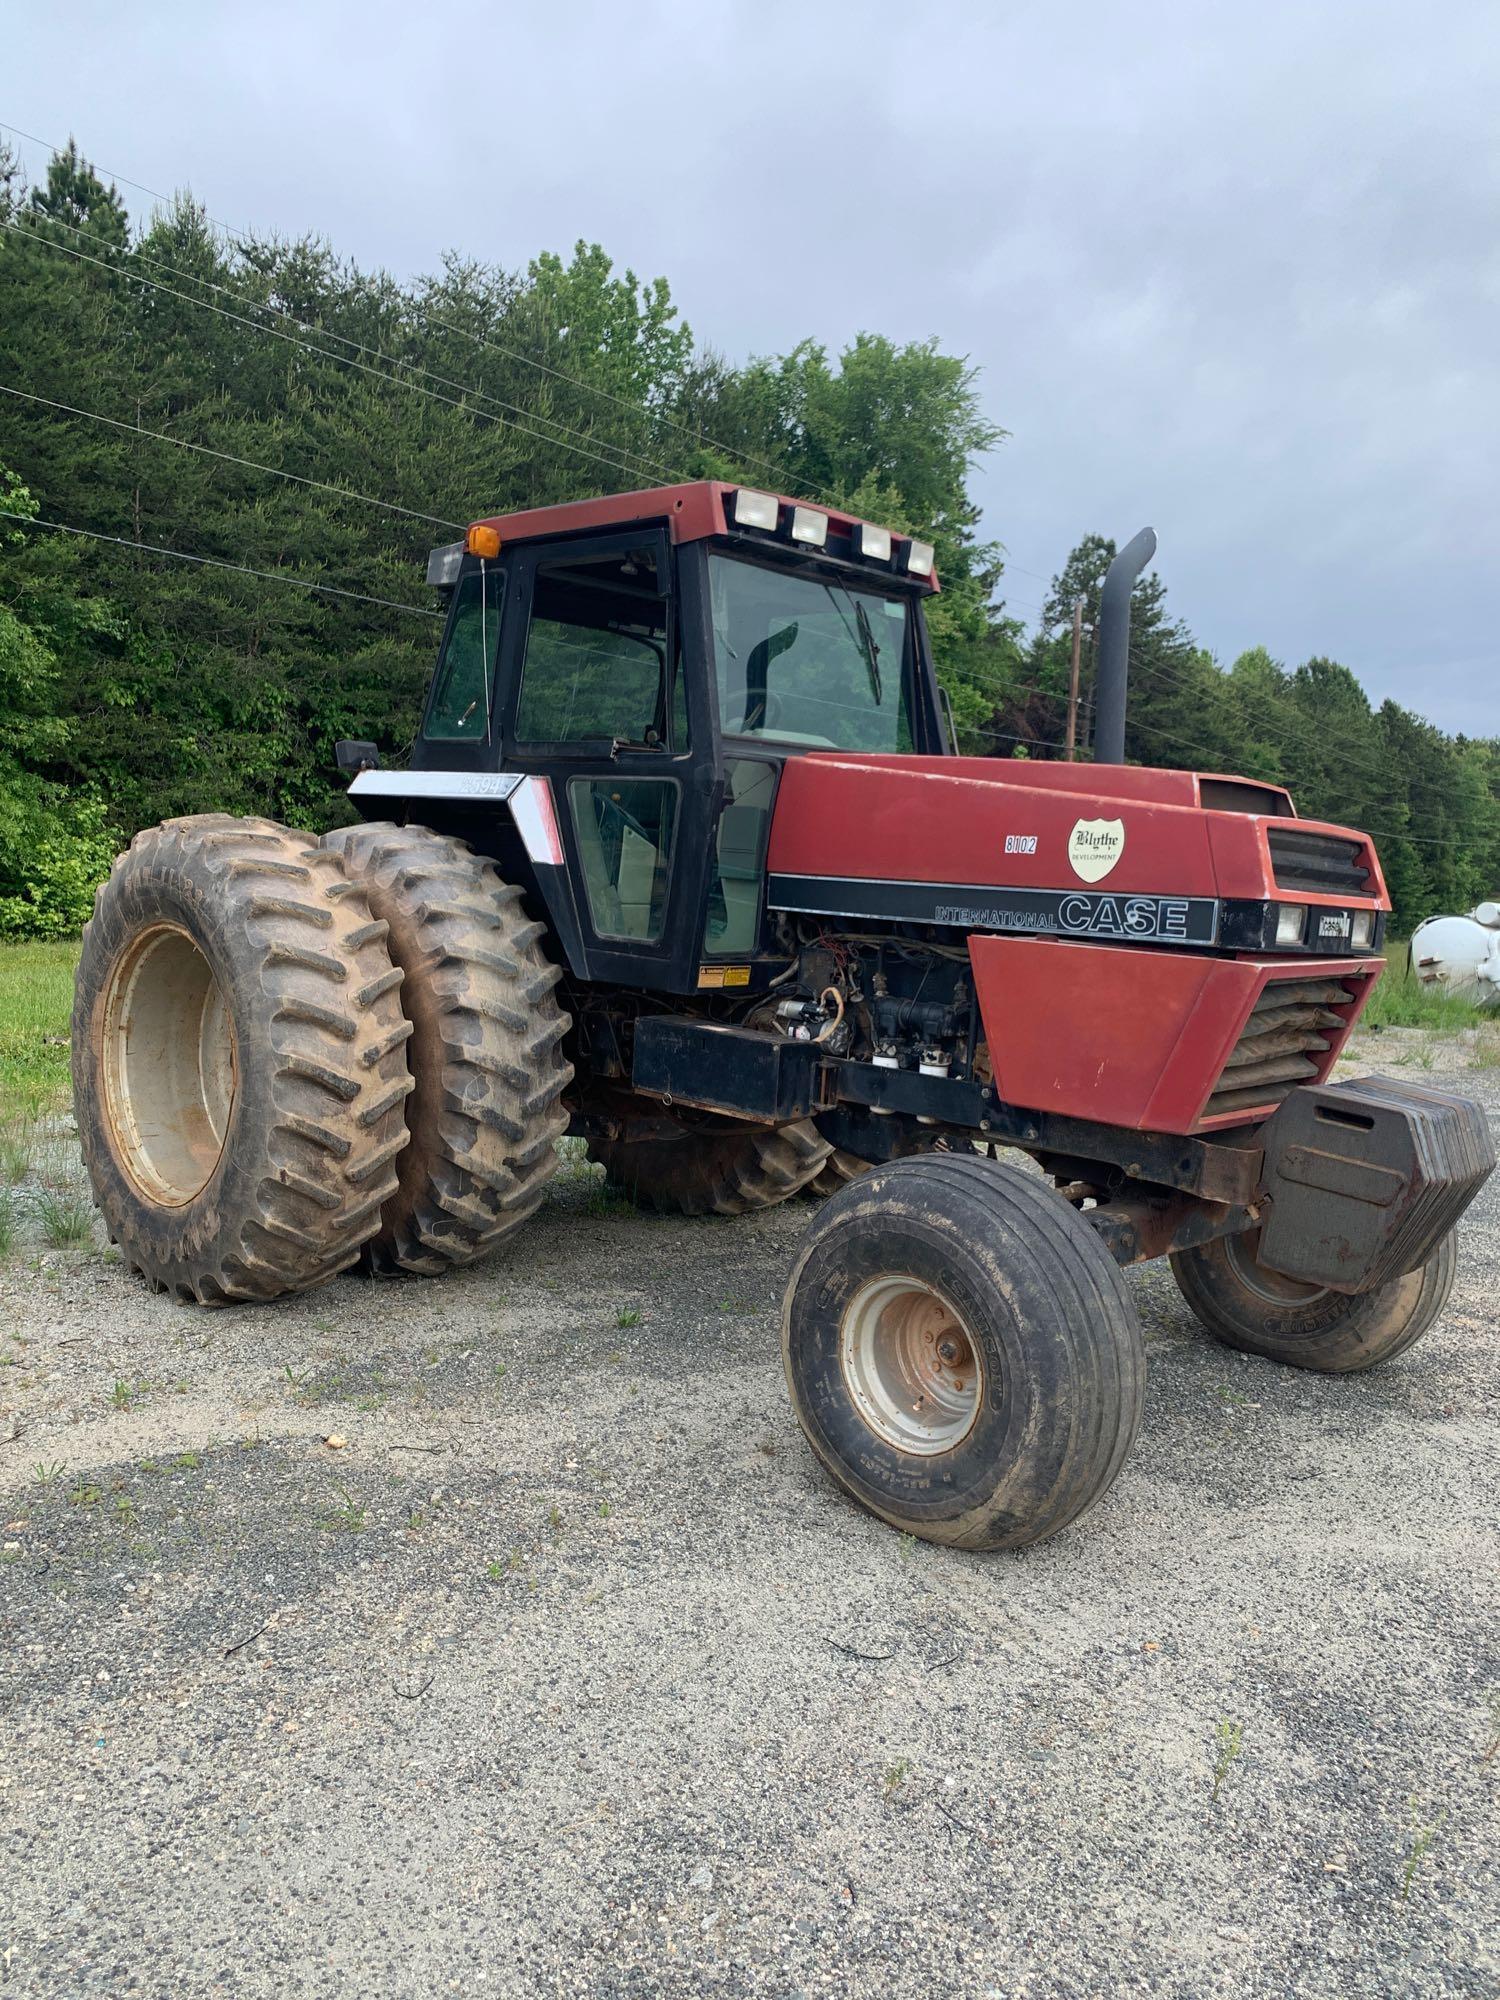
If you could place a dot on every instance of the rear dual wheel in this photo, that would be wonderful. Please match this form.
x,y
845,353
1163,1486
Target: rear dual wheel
x,y
239,1060
962,1352
715,1170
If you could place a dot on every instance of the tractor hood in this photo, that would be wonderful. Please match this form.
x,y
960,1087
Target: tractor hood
x,y
1109,851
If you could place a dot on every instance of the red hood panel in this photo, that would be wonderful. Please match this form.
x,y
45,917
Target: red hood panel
x,y
981,820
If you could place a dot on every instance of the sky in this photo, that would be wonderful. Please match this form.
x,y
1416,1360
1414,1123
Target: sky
x,y
1230,271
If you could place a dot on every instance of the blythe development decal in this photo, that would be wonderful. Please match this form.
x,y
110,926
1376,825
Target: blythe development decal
x,y
1094,846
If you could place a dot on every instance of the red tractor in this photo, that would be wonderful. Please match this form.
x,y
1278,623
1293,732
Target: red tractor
x,y
684,864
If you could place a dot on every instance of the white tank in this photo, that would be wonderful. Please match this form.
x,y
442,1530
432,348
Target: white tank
x,y
1460,956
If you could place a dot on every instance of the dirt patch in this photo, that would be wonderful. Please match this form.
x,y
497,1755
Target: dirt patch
x,y
565,1671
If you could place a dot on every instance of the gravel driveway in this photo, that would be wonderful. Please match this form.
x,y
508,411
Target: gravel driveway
x,y
566,1672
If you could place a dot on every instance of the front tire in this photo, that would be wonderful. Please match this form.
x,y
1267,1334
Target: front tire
x,y
962,1352
1246,1306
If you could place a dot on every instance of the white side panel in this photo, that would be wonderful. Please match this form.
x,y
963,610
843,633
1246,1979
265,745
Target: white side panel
x,y
434,784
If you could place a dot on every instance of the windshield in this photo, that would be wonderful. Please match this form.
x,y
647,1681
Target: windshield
x,y
809,659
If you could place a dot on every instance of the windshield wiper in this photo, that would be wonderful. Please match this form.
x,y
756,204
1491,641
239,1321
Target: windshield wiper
x,y
868,647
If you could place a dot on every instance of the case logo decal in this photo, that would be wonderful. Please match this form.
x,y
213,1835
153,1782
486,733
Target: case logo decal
x,y
1094,846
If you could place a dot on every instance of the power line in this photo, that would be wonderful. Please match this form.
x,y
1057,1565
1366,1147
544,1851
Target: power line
x,y
231,458
217,562
616,464
241,237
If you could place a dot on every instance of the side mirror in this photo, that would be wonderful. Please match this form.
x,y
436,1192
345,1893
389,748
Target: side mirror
x,y
354,756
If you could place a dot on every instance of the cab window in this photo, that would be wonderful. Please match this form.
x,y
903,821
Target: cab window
x,y
597,669
810,660
462,689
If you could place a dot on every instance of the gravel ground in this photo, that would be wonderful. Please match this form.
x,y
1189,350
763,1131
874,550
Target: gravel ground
x,y
565,1671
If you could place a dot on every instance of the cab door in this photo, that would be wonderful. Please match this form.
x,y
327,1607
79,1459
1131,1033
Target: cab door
x,y
598,703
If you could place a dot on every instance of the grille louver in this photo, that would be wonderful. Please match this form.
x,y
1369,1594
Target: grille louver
x,y
1320,862
1285,1042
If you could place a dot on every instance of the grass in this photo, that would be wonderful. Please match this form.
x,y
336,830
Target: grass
x,y
67,1219
1229,1739
36,1000
1400,1000
1423,1833
7,1223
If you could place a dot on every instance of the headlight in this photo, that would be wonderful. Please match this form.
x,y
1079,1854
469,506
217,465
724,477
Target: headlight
x,y
756,510
1361,929
1291,921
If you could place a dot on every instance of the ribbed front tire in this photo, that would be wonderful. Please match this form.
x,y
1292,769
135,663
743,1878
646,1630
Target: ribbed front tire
x,y
962,1352
1306,1326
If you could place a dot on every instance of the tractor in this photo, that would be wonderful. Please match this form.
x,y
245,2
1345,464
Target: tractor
x,y
685,863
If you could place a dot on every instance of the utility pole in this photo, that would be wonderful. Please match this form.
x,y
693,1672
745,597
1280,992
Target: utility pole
x,y
1070,750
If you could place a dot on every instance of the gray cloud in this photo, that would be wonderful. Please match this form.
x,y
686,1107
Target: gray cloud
x,y
1232,271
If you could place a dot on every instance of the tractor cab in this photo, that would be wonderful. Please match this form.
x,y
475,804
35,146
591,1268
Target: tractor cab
x,y
657,657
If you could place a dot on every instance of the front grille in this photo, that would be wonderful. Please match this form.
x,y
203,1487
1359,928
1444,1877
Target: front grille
x,y
1285,1042
1321,862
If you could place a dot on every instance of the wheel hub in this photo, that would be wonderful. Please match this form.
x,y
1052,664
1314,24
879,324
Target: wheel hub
x,y
910,1365
169,1066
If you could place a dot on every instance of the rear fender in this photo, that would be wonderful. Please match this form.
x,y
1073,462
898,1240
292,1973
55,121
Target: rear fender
x,y
506,814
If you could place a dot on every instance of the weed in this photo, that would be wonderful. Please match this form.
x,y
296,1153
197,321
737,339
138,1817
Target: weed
x,y
15,1154
1228,1736
605,1510
895,1776
499,1371
350,1516
554,1516
7,1223
124,1509
11,1555
1231,1398
1423,1834
187,1461
47,1475
734,1305
84,1495
296,1378
67,1219
906,1546
122,1396
628,1316
495,1570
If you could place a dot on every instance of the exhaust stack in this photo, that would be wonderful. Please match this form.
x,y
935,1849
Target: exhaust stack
x,y
1114,647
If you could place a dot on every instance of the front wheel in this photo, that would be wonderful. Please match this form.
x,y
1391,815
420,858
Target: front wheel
x,y
962,1352
1246,1306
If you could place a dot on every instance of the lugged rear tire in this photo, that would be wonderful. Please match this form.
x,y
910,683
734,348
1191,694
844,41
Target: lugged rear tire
x,y
239,1060
1306,1326
486,1047
962,1351
716,1170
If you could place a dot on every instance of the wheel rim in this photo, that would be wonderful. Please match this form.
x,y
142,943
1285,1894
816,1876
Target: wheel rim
x,y
910,1365
1270,1286
170,1067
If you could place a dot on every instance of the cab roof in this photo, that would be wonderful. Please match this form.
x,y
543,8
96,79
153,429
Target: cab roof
x,y
691,512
